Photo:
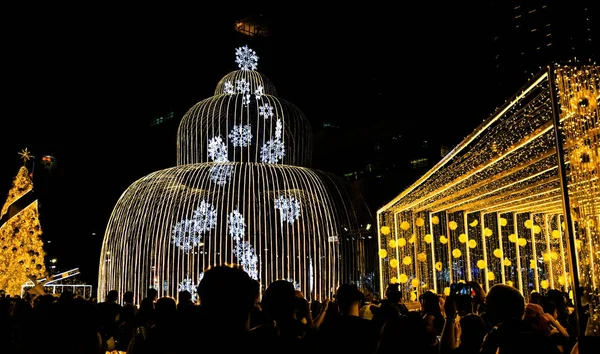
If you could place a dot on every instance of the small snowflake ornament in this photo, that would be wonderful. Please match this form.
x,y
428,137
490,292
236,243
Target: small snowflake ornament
x,y
278,129
205,217
272,151
289,209
188,284
266,111
240,136
221,174
185,235
237,226
246,58
217,149
258,92
228,88
245,100
242,86
246,256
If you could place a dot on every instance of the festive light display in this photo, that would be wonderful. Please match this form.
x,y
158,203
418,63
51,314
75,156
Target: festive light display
x,y
494,207
241,193
21,248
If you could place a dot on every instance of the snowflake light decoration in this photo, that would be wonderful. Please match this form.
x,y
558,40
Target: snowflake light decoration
x,y
237,225
240,135
221,174
228,88
259,92
185,235
217,149
189,285
205,217
246,256
246,58
278,129
266,111
246,100
242,86
272,151
289,207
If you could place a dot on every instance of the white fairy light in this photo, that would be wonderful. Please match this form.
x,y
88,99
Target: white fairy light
x,y
246,256
242,86
278,129
246,58
221,174
188,284
240,136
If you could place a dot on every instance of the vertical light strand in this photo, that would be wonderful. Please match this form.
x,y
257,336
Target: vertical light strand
x,y
433,262
563,261
534,253
449,247
591,255
467,248
397,248
549,249
484,247
379,226
499,227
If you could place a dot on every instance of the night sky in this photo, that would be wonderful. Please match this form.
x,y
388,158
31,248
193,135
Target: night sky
x,y
82,84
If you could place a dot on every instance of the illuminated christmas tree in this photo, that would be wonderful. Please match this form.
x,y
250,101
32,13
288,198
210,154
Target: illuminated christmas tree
x,y
21,248
242,192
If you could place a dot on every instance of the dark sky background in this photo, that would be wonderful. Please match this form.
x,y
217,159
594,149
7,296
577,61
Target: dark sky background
x,y
82,84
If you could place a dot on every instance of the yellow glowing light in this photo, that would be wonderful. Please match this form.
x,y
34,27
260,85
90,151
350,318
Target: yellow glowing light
x,y
413,297
403,278
385,230
487,232
578,244
512,238
456,253
412,239
528,223
497,253
392,243
481,264
561,280
401,242
428,238
438,266
435,220
503,222
491,276
472,243
554,255
394,280
422,257
462,238
474,223
532,263
382,253
546,257
443,240
521,241
544,284
393,263
25,155
414,282
419,222
555,234
537,229
406,260
509,283
452,225
447,291
404,225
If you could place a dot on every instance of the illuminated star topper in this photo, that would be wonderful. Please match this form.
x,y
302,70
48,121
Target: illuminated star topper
x,y
25,155
246,58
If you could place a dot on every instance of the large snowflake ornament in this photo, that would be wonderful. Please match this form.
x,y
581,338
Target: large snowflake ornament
x,y
185,235
237,225
259,92
221,174
290,208
189,285
246,256
217,149
246,58
242,86
240,136
228,88
266,111
205,217
272,151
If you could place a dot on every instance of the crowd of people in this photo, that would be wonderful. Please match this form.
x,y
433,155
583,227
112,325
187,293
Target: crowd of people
x,y
232,315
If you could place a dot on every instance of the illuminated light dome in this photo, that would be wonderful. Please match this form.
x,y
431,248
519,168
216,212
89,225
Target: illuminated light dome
x,y
224,203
